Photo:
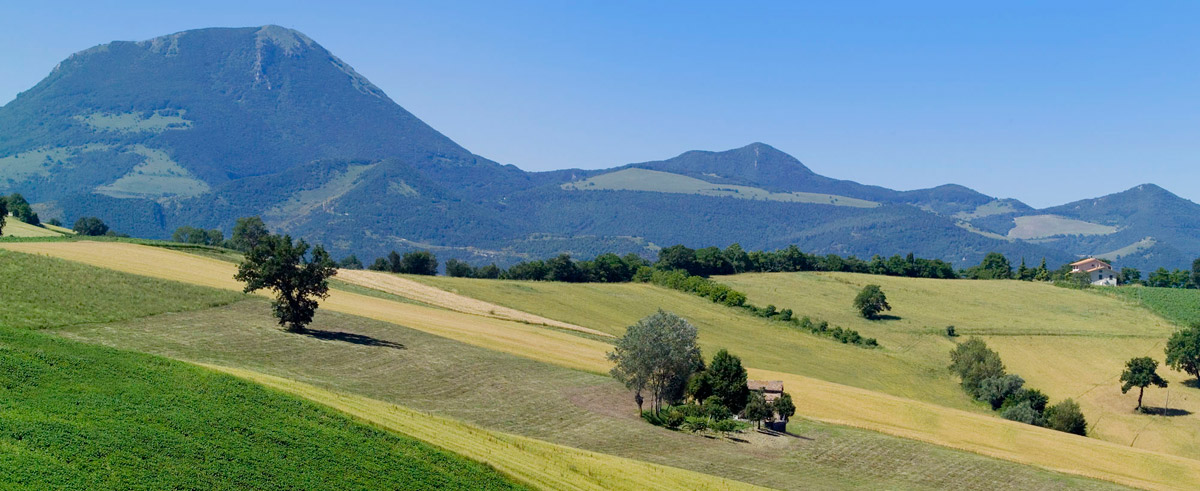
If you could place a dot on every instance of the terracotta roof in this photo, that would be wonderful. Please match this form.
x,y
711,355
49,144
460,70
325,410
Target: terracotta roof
x,y
1098,268
766,385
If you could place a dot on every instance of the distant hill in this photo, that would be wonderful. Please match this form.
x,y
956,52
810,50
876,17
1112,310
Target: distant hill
x,y
201,127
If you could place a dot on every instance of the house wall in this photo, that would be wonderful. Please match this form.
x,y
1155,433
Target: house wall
x,y
1105,277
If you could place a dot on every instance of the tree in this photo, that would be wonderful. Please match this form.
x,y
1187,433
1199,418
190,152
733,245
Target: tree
x,y
610,268
757,408
90,226
871,301
298,280
419,262
974,362
20,209
737,257
1140,373
192,235
1130,276
1066,416
247,232
1023,412
658,354
699,387
350,262
1183,350
3,215
995,390
1036,399
563,269
993,267
459,269
1196,273
784,407
728,379
677,257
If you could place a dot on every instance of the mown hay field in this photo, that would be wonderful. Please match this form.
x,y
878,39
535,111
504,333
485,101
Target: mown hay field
x,y
79,416
511,394
822,400
1067,343
17,228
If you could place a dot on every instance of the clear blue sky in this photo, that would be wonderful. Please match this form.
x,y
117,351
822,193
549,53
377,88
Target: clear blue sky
x,y
1046,102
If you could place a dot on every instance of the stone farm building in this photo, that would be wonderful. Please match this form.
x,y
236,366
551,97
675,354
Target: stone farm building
x,y
1100,273
771,390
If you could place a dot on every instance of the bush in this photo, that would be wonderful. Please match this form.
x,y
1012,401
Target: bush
x,y
673,418
950,332
716,411
1066,416
725,425
1024,413
90,226
695,424
974,362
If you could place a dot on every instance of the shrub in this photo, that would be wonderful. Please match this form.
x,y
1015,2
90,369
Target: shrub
x,y
725,425
1066,416
672,418
1024,413
973,362
1036,399
695,424
716,411
950,332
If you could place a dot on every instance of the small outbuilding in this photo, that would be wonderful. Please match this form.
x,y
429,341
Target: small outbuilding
x,y
771,390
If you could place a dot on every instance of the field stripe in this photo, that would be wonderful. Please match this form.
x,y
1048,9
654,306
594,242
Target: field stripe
x,y
534,462
420,292
816,399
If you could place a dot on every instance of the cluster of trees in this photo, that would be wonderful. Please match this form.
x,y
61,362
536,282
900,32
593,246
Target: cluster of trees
x,y
995,266
660,355
416,262
20,209
713,261
1164,278
605,268
193,235
248,232
984,377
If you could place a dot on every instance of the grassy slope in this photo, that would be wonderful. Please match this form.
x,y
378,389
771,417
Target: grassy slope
x,y
17,228
77,416
666,182
611,307
543,401
45,292
816,398
1065,342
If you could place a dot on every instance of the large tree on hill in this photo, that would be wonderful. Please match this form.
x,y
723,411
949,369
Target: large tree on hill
x,y
658,354
1141,373
728,380
677,257
298,280
1183,350
871,301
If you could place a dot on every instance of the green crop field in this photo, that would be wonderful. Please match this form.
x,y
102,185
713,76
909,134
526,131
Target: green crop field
x,y
1178,305
77,416
502,392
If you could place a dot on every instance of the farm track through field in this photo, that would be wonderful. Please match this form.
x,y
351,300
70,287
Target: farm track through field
x,y
459,303
534,462
817,399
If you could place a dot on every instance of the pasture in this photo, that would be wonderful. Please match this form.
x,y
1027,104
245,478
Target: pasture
x,y
79,416
818,399
17,228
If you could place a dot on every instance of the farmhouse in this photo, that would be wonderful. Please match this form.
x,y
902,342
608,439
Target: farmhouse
x,y
771,390
1100,272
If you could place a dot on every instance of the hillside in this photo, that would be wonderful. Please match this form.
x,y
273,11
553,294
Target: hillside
x,y
974,430
320,152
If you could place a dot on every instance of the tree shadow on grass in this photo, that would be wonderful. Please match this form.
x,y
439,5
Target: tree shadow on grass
x,y
886,317
1158,411
770,432
347,337
1192,382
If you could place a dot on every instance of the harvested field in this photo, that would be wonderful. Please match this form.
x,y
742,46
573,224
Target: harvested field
x,y
404,287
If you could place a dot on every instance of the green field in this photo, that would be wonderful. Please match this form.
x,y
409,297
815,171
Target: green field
x,y
38,292
76,416
17,228
666,182
1181,306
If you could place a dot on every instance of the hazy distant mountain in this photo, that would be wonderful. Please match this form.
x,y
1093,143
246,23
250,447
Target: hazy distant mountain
x,y
201,127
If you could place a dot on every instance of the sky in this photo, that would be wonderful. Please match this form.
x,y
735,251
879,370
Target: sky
x,y
1046,102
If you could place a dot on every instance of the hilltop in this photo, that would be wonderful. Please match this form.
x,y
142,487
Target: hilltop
x,y
201,127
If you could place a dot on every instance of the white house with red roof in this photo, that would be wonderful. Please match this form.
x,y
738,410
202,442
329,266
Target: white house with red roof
x,y
1100,272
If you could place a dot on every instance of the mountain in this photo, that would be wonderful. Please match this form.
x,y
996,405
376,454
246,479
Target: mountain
x,y
202,127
